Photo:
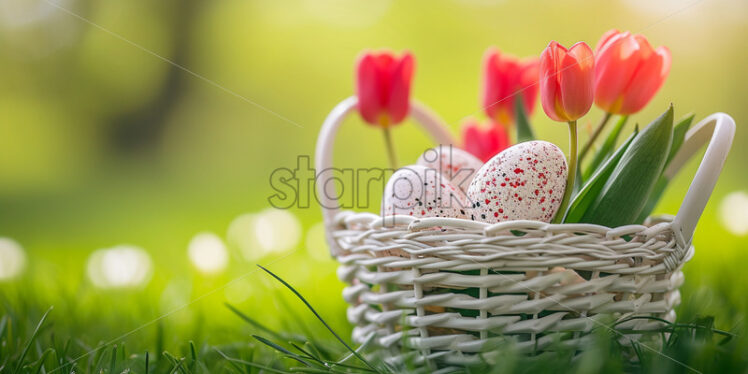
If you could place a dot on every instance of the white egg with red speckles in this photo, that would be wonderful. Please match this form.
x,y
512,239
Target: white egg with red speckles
x,y
455,164
422,192
523,182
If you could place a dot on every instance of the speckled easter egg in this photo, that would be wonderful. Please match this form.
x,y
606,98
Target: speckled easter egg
x,y
422,192
455,164
525,181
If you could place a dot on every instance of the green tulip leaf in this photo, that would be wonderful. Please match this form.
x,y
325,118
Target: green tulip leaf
x,y
607,149
578,182
595,184
654,198
524,129
629,186
679,136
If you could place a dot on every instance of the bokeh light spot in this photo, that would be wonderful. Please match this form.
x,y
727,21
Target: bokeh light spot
x,y
207,253
124,266
12,259
270,231
733,212
277,230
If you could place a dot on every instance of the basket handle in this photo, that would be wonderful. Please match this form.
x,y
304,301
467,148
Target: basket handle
x,y
721,128
326,192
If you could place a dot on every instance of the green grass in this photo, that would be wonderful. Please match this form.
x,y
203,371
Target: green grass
x,y
31,344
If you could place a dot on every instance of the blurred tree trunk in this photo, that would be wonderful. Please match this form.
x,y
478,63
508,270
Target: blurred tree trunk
x,y
141,130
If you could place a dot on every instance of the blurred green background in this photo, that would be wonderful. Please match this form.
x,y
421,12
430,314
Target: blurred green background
x,y
105,143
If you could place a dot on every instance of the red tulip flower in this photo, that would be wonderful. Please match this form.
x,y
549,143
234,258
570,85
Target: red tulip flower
x,y
383,90
505,77
383,87
628,72
566,91
484,142
566,81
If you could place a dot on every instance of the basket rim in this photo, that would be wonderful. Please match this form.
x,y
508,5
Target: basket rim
x,y
459,244
348,219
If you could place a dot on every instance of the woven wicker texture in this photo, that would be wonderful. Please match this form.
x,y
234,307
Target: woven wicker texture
x,y
446,287
441,289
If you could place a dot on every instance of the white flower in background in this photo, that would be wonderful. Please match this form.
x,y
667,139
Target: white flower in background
x,y
123,266
316,244
270,231
12,259
208,253
733,212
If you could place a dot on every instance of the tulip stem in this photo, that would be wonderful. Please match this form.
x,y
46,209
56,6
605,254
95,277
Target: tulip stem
x,y
572,172
390,147
594,136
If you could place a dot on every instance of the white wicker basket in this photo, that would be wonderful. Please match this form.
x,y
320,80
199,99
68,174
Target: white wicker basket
x,y
458,287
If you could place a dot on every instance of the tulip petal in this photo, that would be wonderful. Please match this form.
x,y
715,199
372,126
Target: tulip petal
x,y
473,140
508,68
399,91
528,84
484,142
385,63
581,52
505,77
498,140
383,87
607,36
367,88
614,68
645,49
628,72
491,74
646,81
576,81
664,52
548,79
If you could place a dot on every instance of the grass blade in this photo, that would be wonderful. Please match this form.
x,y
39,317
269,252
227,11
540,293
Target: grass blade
x,y
177,362
310,356
361,358
25,351
193,354
252,322
39,364
274,346
113,362
247,363
368,340
314,349
282,350
3,323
